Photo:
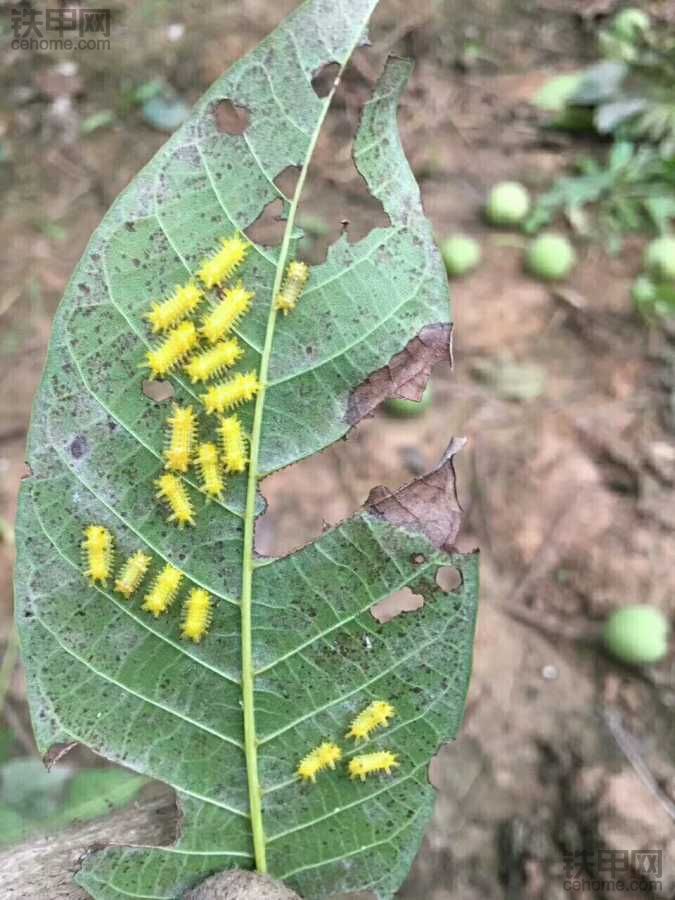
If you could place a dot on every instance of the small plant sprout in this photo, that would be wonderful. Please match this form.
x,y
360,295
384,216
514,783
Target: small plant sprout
x,y
508,203
461,254
637,635
550,257
659,258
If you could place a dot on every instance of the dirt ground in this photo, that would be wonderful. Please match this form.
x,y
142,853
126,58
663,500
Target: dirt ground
x,y
568,478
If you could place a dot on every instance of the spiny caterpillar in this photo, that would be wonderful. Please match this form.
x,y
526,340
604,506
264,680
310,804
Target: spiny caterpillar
x,y
231,393
375,715
224,316
163,591
209,467
176,346
172,489
211,362
98,550
132,573
370,763
218,268
294,284
183,425
233,439
322,757
181,303
197,615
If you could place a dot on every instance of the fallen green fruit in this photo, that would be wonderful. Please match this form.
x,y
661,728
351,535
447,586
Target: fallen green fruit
x,y
508,203
659,258
399,408
630,23
637,634
460,254
550,256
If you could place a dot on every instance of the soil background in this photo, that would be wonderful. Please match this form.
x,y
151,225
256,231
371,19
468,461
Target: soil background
x,y
565,396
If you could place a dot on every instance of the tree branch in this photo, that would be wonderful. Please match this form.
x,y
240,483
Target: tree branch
x,y
44,867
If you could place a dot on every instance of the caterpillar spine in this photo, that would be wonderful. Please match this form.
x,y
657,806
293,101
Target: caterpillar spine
x,y
209,467
98,551
164,358
163,591
209,363
376,715
227,313
372,763
297,276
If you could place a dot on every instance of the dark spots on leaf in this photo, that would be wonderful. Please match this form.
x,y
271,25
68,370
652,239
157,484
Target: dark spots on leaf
x,y
130,226
231,119
136,262
159,391
84,289
78,447
324,79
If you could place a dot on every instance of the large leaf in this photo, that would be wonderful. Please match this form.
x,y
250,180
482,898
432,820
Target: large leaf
x,y
294,652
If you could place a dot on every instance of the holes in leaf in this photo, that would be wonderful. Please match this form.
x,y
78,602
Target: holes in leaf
x,y
287,180
403,601
449,579
159,391
324,78
418,559
78,447
26,472
231,119
268,228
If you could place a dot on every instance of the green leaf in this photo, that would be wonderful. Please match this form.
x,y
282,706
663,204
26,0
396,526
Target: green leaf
x,y
35,801
294,652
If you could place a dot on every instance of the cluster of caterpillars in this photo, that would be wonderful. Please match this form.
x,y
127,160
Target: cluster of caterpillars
x,y
99,556
326,756
205,350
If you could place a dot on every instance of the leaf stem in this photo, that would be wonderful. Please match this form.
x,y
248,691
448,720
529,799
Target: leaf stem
x,y
247,667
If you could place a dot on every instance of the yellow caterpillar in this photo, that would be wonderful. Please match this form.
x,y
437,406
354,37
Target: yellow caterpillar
x,y
224,316
218,268
209,467
211,362
233,440
183,425
173,350
163,591
376,715
197,615
231,393
98,550
172,489
181,303
325,756
293,286
133,572
371,763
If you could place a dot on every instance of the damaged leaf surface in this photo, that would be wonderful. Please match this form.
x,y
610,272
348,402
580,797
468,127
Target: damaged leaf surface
x,y
102,672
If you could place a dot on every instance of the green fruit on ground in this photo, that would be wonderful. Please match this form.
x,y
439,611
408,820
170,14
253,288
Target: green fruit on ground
x,y
630,23
659,258
508,203
461,253
550,256
643,292
637,634
399,408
